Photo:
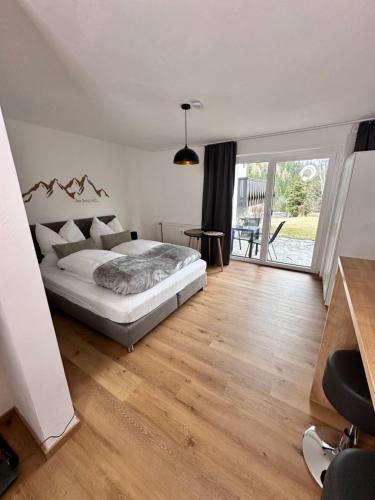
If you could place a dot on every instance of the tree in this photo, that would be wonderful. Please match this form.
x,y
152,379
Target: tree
x,y
297,198
314,194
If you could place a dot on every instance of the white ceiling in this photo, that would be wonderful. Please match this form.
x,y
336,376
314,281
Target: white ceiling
x,y
118,69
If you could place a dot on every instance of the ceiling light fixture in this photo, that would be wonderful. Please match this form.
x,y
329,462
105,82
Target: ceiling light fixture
x,y
186,156
197,104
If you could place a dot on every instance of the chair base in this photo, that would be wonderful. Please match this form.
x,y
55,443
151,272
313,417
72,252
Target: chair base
x,y
319,446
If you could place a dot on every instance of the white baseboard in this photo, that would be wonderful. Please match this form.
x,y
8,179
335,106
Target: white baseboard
x,y
53,444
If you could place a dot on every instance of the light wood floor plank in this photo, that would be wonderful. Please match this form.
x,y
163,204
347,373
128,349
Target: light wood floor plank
x,y
114,377
211,405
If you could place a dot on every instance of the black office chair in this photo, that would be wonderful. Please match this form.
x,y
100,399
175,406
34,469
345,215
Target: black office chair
x,y
351,476
273,237
345,386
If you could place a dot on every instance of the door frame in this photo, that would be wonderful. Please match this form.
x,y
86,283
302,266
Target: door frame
x,y
326,208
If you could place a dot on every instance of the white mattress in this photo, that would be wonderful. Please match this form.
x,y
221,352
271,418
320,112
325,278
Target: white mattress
x,y
119,308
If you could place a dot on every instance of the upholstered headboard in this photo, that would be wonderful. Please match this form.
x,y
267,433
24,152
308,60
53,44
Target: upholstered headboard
x,y
83,224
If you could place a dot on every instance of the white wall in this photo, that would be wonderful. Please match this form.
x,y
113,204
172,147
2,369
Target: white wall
x,y
330,138
168,192
29,352
6,398
354,217
145,188
42,153
172,193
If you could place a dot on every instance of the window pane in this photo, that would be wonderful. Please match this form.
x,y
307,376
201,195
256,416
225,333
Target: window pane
x,y
296,208
248,208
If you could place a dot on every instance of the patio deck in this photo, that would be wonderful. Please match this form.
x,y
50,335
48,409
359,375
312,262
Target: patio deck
x,y
288,250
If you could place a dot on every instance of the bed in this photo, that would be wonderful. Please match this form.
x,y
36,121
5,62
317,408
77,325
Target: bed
x,y
124,318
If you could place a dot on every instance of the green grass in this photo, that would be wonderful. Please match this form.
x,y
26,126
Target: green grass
x,y
299,228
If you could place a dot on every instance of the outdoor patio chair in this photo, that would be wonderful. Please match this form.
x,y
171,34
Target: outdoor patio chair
x,y
273,237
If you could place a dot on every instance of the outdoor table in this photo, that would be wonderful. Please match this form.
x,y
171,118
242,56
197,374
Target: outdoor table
x,y
252,230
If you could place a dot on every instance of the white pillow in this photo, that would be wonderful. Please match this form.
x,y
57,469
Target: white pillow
x,y
50,260
97,229
71,232
83,263
46,238
115,225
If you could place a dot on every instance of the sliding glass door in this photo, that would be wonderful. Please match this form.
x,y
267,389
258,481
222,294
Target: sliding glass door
x,y
249,209
276,211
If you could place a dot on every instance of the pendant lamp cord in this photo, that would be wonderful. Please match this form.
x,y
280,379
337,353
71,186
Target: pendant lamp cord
x,y
185,130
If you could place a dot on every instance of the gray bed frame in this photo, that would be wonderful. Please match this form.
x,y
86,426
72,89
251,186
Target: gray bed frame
x,y
126,334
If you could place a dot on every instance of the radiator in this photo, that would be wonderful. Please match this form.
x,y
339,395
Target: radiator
x,y
173,232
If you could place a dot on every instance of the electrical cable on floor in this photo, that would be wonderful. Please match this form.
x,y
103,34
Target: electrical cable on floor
x,y
59,435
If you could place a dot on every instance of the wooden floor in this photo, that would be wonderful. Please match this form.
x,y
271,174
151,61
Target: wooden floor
x,y
211,405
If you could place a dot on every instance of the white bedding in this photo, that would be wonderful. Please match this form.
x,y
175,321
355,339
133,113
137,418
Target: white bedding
x,y
135,247
118,308
82,264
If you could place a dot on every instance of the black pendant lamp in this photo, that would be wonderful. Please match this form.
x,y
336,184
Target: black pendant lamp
x,y
186,156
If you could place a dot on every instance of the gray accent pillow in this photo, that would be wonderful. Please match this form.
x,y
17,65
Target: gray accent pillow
x,y
66,249
111,240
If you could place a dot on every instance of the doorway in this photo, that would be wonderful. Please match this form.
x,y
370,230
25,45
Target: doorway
x,y
276,211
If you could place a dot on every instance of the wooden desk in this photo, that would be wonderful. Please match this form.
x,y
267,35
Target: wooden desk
x,y
350,322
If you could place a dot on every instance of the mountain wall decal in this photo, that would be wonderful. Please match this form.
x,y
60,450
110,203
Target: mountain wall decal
x,y
73,188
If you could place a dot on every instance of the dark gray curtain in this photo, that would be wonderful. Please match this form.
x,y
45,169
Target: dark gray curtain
x,y
219,175
366,136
